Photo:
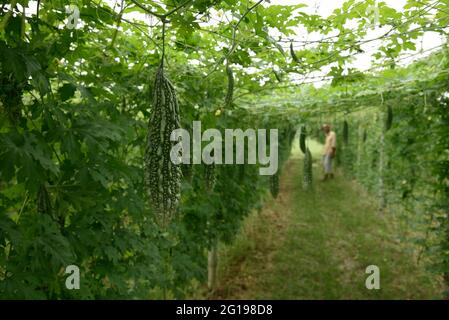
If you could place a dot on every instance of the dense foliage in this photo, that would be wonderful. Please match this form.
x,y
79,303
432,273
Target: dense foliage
x,y
396,146
75,108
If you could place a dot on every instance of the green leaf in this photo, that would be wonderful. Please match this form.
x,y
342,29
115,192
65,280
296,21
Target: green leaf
x,y
13,61
67,91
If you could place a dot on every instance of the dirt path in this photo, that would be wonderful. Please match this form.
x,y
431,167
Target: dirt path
x,y
317,245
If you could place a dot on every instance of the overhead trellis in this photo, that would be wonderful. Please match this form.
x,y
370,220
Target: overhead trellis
x,y
418,79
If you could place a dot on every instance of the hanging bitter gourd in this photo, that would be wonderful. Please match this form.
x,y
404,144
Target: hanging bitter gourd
x,y
389,119
308,170
43,200
293,54
274,185
302,139
187,171
345,132
209,176
11,97
278,75
162,176
230,92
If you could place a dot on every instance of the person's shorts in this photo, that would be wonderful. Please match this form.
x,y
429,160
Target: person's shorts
x,y
327,163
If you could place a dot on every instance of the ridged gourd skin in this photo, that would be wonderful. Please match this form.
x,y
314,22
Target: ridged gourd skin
x,y
274,185
308,170
302,139
43,200
162,177
230,92
209,177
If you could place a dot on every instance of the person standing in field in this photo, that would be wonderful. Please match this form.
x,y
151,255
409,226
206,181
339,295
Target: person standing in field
x,y
330,148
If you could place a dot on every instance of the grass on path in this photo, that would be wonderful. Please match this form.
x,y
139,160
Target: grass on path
x,y
317,244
